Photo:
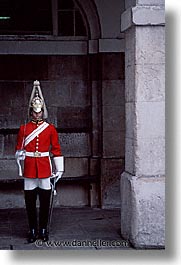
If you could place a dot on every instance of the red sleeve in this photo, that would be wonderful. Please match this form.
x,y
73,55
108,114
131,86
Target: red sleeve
x,y
20,138
55,146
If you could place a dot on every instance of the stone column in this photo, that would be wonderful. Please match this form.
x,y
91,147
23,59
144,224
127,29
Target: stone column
x,y
142,183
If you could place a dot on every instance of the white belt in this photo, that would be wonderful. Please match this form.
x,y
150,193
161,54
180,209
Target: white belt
x,y
37,154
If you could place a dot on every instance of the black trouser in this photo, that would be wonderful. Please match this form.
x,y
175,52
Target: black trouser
x,y
44,197
30,201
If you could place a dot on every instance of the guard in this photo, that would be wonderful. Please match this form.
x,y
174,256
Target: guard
x,y
35,141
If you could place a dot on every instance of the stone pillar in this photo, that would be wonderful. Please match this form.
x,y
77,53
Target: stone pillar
x,y
142,183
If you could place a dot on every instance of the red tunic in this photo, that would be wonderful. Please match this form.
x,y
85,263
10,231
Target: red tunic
x,y
46,141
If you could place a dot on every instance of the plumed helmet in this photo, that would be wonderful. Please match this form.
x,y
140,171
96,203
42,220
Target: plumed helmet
x,y
37,102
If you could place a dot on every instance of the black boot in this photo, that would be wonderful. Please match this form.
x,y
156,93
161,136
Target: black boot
x,y
44,197
30,202
43,234
32,236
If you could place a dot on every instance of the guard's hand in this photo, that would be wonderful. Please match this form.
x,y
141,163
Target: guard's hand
x,y
20,155
58,175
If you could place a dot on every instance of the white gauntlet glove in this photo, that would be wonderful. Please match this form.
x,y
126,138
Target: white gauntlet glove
x,y
59,165
20,155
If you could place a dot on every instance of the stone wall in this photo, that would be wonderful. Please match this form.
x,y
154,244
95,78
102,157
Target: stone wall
x,y
113,127
85,100
143,182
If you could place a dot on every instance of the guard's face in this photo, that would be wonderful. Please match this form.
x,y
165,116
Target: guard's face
x,y
37,115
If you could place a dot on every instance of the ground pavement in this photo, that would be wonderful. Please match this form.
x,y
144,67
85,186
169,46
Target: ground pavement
x,y
71,228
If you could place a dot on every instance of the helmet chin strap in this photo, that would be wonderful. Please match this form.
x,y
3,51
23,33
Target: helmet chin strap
x,y
37,120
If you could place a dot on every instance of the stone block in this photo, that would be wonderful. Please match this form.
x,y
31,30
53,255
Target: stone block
x,y
76,167
12,111
112,66
150,156
145,156
74,118
8,169
1,145
150,82
9,146
126,19
95,168
63,93
80,93
129,155
71,195
7,164
130,40
45,47
151,2
11,93
111,45
130,120
75,144
68,67
95,66
113,93
96,93
142,15
110,181
96,143
139,125
130,92
113,118
143,210
79,67
110,171
12,198
9,120
148,15
17,117
94,195
150,121
96,118
150,43
113,144
111,197
93,47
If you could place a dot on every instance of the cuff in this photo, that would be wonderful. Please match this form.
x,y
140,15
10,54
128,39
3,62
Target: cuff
x,y
59,163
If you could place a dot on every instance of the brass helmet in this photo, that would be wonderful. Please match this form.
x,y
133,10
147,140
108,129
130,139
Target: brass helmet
x,y
37,102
